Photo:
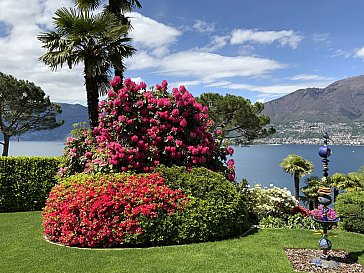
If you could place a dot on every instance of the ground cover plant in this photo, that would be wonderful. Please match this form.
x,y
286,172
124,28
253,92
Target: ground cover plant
x,y
23,249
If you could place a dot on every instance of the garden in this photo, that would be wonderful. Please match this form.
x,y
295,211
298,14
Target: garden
x,y
152,188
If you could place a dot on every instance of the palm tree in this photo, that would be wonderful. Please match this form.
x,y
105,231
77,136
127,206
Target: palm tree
x,y
297,167
99,41
116,7
355,181
313,183
338,181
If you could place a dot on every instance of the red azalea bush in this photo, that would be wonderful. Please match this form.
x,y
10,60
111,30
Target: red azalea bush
x,y
301,210
108,210
140,129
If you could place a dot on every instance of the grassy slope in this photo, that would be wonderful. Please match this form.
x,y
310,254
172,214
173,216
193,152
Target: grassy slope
x,y
22,249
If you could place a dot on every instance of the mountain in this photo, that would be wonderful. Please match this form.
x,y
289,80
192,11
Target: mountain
x,y
341,101
71,114
302,116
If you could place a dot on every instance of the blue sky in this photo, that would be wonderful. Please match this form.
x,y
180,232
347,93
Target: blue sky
x,y
260,50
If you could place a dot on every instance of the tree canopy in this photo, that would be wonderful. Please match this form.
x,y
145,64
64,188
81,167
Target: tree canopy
x,y
239,119
298,167
116,7
24,107
97,40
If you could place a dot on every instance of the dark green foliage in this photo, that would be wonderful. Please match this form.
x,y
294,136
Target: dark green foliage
x,y
215,209
350,208
239,119
24,107
25,182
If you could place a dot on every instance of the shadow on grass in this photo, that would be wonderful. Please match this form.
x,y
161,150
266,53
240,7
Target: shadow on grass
x,y
251,231
355,255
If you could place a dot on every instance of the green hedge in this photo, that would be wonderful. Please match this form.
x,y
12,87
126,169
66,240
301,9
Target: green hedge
x,y
350,208
216,210
25,182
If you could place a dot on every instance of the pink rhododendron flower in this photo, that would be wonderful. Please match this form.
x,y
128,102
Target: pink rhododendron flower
x,y
231,162
175,112
117,79
111,93
164,83
183,123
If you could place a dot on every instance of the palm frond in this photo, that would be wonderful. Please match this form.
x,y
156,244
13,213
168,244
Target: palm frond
x,y
87,4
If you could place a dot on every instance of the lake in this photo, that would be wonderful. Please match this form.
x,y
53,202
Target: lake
x,y
258,164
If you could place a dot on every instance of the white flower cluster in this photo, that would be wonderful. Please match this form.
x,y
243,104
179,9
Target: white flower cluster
x,y
274,201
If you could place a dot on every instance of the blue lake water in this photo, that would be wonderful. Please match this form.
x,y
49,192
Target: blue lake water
x,y
258,164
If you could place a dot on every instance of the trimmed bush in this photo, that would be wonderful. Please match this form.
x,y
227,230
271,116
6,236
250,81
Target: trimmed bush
x,y
215,210
173,206
109,210
350,208
25,182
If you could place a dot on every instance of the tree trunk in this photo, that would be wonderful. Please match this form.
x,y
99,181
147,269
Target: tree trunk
x,y
92,92
6,144
114,7
336,193
296,185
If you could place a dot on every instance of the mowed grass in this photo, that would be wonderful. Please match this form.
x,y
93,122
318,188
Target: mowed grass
x,y
23,249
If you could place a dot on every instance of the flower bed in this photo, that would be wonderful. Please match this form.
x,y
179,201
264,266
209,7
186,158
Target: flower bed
x,y
108,210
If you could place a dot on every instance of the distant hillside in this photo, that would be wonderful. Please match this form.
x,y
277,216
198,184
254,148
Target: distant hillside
x,y
71,114
340,101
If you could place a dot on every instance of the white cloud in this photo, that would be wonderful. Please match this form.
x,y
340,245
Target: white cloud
x,y
217,42
310,77
137,80
343,53
267,90
203,27
185,83
321,38
360,53
206,66
20,49
263,100
284,37
150,34
141,60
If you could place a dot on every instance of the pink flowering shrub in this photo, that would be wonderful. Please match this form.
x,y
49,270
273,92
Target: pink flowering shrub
x,y
319,215
77,151
108,210
140,129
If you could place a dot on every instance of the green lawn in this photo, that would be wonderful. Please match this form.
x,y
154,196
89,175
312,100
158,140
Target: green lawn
x,y
22,249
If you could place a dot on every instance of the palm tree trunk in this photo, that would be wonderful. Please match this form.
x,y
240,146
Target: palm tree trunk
x,y
296,185
336,193
92,97
6,144
114,7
